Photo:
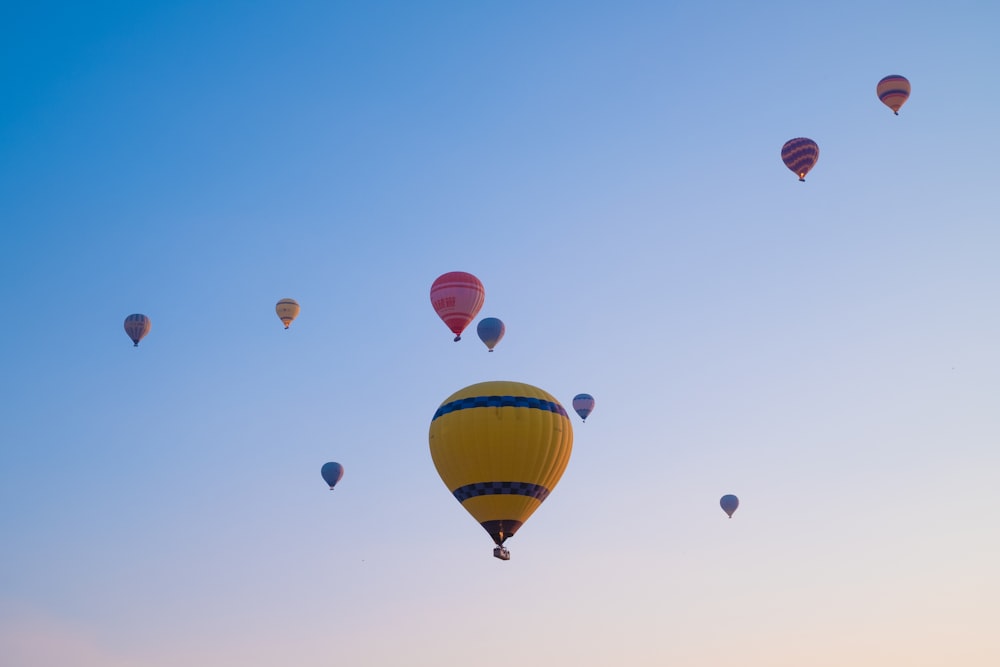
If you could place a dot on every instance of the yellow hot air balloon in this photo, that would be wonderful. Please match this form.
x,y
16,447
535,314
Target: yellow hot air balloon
x,y
500,448
288,310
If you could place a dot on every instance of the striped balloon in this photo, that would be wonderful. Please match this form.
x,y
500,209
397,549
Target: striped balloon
x,y
584,405
137,326
500,448
800,155
457,298
893,91
288,310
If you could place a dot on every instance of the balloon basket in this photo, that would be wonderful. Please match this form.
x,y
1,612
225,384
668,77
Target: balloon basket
x,y
501,552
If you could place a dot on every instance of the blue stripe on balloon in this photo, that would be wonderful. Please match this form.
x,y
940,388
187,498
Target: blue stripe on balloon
x,y
892,92
537,491
500,402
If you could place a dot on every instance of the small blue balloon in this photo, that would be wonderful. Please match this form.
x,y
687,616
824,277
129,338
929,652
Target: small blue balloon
x,y
490,331
332,472
729,503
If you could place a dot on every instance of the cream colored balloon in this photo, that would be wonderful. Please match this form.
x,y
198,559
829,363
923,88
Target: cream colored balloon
x,y
288,310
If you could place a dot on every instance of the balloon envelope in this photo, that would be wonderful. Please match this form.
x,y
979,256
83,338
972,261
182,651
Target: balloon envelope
x,y
332,472
500,448
584,405
457,297
137,326
800,155
729,503
288,310
491,331
893,91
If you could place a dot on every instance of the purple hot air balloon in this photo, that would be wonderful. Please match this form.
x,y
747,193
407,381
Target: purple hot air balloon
x,y
584,405
800,155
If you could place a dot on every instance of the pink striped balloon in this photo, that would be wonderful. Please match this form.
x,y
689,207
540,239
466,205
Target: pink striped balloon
x,y
893,91
137,326
457,297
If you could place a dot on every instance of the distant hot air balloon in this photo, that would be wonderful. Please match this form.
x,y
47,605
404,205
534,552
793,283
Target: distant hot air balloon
x,y
729,503
584,405
288,310
893,91
137,326
800,155
500,448
491,331
457,298
332,472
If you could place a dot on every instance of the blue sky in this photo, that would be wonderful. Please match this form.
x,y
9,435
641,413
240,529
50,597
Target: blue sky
x,y
826,351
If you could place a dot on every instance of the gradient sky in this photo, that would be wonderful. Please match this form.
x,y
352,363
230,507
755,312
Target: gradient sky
x,y
827,351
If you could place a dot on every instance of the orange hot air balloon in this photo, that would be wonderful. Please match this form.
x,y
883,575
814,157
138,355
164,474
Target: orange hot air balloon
x,y
457,297
800,155
893,91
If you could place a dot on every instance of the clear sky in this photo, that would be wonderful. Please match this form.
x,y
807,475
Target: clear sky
x,y
825,350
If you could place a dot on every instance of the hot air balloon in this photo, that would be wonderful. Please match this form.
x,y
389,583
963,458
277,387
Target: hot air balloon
x,y
500,448
729,503
584,405
332,472
288,310
137,326
457,298
491,331
893,91
800,155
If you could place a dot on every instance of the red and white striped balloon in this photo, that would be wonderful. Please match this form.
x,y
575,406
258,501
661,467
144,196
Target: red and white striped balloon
x,y
457,297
